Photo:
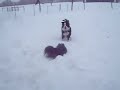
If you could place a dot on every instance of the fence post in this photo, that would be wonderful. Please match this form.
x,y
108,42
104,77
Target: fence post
x,y
47,9
59,7
111,5
2,9
7,9
39,7
84,3
72,6
51,3
67,7
34,10
23,8
14,8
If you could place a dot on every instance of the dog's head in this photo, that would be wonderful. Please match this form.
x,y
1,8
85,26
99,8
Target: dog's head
x,y
61,49
65,21
50,52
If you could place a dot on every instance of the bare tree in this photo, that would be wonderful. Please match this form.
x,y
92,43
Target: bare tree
x,y
38,2
51,1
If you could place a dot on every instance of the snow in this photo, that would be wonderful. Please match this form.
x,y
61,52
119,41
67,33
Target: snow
x,y
92,61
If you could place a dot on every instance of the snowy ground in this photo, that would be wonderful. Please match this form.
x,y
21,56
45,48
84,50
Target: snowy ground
x,y
93,58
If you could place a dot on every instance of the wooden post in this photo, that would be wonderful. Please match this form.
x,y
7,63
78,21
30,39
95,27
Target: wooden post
x,y
33,10
2,9
111,5
67,7
14,9
59,7
84,3
72,6
47,9
84,6
51,2
23,8
39,7
7,9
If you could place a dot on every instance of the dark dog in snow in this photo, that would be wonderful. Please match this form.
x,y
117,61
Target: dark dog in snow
x,y
66,29
51,52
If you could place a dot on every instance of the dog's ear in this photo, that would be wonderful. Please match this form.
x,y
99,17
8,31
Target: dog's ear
x,y
59,43
62,43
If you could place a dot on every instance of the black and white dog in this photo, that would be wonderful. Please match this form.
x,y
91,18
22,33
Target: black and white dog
x,y
51,52
66,29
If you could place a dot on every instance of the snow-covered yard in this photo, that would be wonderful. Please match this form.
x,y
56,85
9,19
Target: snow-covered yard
x,y
93,58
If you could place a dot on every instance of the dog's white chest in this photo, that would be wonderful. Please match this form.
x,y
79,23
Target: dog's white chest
x,y
66,34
